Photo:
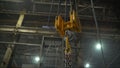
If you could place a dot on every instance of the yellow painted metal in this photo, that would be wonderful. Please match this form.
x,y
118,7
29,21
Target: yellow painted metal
x,y
6,58
59,25
10,48
73,24
67,47
20,20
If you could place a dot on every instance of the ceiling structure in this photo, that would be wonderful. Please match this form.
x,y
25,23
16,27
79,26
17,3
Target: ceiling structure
x,y
39,21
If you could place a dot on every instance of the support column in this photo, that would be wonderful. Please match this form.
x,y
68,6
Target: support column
x,y
10,47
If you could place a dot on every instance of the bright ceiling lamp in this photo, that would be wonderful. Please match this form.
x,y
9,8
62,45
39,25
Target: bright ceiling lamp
x,y
87,65
98,46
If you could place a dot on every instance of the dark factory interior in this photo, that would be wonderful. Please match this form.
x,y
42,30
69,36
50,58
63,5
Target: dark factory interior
x,y
59,34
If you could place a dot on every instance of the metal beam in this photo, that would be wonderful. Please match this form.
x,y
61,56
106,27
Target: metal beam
x,y
16,1
29,44
63,4
43,31
9,51
49,3
82,17
47,30
20,20
28,30
108,33
7,57
36,22
39,13
17,43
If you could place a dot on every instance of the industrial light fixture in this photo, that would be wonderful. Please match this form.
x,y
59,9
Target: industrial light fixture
x,y
98,46
87,65
37,59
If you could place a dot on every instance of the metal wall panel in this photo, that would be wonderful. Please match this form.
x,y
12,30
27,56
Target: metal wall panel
x,y
52,52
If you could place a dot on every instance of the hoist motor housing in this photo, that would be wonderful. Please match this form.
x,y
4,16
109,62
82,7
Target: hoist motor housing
x,y
72,25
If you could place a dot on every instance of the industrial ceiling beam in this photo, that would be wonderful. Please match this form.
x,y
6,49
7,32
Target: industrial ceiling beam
x,y
9,51
28,30
41,22
63,4
53,14
16,1
17,43
38,13
46,32
49,3
20,20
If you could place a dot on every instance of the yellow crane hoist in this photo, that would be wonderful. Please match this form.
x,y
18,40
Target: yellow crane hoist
x,y
68,47
73,25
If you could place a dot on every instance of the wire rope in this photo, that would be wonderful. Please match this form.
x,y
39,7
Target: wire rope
x,y
65,10
97,31
50,12
58,12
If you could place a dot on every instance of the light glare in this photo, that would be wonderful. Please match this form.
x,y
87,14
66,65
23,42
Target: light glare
x,y
87,65
37,59
98,46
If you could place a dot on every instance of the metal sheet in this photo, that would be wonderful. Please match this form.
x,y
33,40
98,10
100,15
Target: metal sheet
x,y
50,44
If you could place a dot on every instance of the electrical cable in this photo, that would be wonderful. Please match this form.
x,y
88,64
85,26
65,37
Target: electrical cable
x,y
97,29
50,12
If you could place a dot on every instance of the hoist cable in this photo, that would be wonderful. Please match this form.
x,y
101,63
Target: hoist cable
x,y
48,24
67,56
76,6
65,10
50,12
95,20
59,4
97,31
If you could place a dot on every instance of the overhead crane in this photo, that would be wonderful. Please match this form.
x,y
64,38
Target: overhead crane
x,y
72,25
